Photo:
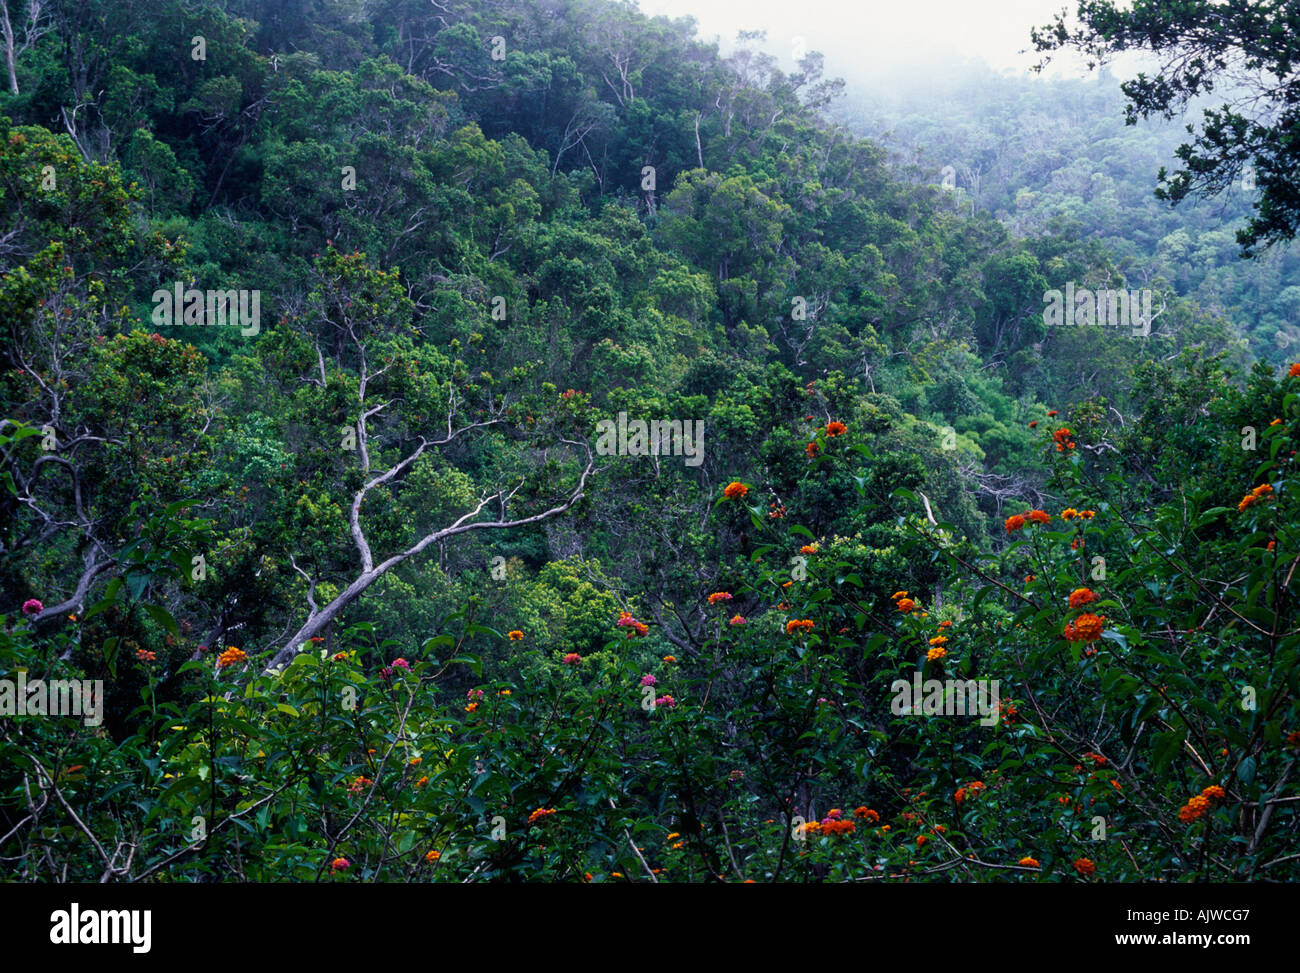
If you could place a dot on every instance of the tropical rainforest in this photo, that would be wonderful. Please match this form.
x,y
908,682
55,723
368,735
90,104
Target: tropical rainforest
x,y
517,441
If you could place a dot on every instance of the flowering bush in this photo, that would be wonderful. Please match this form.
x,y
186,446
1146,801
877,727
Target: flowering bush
x,y
1145,692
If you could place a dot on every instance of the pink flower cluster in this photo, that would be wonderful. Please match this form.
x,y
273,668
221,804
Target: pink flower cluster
x,y
648,680
635,628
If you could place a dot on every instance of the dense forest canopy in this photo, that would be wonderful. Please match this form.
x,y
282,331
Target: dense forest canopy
x,y
602,434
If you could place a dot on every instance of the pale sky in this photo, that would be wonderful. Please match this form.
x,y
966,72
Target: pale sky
x,y
862,38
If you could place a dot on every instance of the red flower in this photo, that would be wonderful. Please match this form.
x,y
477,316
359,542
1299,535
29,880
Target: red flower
x,y
1014,522
836,428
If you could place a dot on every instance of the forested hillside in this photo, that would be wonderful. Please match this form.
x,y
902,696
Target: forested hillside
x,y
1057,155
609,468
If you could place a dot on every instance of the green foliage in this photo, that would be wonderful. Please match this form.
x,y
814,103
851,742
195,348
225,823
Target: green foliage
x,y
369,604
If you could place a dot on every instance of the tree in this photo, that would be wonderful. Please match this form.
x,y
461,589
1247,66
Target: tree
x,y
33,25
1246,48
389,392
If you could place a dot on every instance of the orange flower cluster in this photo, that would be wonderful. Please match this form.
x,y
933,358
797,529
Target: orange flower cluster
x,y
836,428
970,790
1028,862
808,549
515,636
776,511
1084,866
670,658
735,490
1082,596
718,596
231,656
829,826
936,654
811,449
799,624
339,656
866,814
1295,370
144,655
904,603
1086,628
945,624
1259,493
1200,804
1017,521
432,856
540,813
1064,439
